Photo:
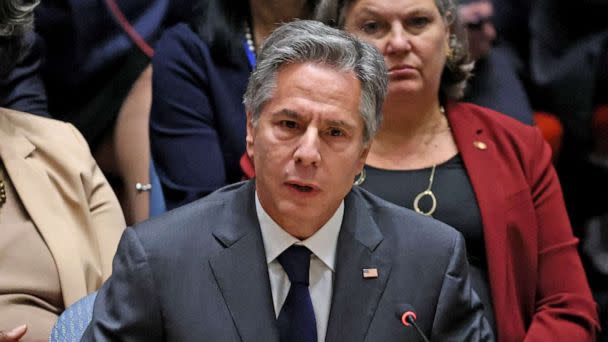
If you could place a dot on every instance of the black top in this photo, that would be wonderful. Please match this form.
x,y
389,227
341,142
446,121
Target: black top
x,y
456,206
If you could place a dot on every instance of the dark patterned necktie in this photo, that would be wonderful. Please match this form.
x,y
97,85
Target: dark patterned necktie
x,y
297,318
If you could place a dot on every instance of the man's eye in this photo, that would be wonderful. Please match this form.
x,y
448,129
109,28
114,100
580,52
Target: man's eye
x,y
336,132
288,124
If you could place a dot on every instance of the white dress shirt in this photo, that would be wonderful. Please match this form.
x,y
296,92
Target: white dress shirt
x,y
322,263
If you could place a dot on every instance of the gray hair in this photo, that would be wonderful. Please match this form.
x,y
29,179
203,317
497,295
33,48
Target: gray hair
x,y
16,17
304,41
458,67
16,24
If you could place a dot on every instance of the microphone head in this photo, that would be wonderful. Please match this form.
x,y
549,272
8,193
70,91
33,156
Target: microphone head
x,y
406,314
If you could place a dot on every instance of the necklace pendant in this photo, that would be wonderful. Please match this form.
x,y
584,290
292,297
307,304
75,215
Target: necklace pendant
x,y
433,201
361,178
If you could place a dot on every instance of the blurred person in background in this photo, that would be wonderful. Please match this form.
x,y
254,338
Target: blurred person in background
x,y
569,76
89,65
495,81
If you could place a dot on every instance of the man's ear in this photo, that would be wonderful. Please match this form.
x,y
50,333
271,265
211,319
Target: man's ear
x,y
250,138
363,156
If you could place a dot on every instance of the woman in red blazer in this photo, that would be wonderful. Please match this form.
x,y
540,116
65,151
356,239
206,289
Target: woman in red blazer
x,y
538,287
499,187
485,174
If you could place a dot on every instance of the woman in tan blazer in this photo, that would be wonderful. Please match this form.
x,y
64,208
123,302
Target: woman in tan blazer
x,y
60,222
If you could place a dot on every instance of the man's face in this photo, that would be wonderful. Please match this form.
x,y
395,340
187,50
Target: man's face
x,y
307,145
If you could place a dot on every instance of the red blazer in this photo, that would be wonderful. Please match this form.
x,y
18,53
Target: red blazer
x,y
539,288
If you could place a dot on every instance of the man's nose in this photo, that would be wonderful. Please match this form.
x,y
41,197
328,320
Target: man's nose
x,y
308,151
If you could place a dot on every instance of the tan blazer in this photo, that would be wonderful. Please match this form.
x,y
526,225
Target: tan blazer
x,y
66,195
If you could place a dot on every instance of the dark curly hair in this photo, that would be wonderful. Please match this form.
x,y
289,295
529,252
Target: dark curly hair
x,y
457,69
16,21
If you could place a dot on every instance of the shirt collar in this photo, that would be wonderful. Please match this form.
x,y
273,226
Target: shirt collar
x,y
323,243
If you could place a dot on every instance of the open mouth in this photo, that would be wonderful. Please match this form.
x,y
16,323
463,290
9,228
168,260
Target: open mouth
x,y
302,188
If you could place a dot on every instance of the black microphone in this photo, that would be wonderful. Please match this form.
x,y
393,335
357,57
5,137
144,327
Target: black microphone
x,y
407,316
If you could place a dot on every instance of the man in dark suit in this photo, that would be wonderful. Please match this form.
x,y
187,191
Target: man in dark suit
x,y
297,254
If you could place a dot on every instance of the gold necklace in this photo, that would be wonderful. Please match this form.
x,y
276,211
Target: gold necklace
x,y
427,192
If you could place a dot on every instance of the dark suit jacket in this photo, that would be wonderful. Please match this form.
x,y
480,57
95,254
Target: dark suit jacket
x,y
535,272
197,119
199,273
22,89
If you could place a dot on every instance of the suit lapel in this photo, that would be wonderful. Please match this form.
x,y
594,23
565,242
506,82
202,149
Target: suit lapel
x,y
482,166
43,204
355,298
241,273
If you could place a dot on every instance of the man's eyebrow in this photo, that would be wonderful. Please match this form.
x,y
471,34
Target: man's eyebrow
x,y
288,112
339,123
297,116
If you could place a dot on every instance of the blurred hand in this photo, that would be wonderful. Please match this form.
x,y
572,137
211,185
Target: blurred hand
x,y
13,335
476,16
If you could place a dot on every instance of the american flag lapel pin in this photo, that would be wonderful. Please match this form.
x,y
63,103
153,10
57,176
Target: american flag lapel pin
x,y
370,273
